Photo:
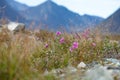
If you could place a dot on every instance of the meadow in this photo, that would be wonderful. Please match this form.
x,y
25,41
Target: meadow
x,y
27,55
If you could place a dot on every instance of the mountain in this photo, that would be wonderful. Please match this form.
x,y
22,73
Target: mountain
x,y
52,16
112,23
16,5
47,15
6,11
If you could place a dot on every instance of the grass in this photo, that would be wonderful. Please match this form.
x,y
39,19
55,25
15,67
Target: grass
x,y
25,56
115,37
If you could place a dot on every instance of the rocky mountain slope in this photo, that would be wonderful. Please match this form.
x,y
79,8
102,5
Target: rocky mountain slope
x,y
52,16
16,5
47,15
112,23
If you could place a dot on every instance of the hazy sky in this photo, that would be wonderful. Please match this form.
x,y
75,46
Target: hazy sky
x,y
101,8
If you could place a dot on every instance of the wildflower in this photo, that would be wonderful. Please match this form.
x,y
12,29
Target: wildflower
x,y
75,45
58,33
62,40
77,36
71,49
86,33
93,44
46,45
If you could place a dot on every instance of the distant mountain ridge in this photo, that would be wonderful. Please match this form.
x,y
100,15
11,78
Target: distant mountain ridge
x,y
48,15
55,16
6,11
16,5
112,23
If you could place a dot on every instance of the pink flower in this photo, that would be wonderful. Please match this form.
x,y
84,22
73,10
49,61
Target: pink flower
x,y
58,33
62,40
93,44
86,33
71,49
75,45
46,45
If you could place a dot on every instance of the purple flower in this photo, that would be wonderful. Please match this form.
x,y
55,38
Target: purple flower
x,y
86,33
46,45
71,49
93,44
58,33
62,40
75,45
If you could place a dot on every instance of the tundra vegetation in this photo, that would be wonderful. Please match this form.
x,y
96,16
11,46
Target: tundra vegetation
x,y
27,55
